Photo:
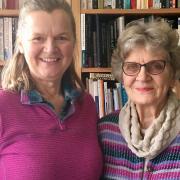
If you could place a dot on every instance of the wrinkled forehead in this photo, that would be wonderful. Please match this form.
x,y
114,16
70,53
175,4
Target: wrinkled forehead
x,y
153,49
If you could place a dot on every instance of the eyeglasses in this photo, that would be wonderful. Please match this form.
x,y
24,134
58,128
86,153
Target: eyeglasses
x,y
153,67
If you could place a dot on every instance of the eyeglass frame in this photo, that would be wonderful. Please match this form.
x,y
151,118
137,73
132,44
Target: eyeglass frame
x,y
140,65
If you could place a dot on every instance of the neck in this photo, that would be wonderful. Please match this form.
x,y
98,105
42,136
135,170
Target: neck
x,y
147,114
48,88
52,93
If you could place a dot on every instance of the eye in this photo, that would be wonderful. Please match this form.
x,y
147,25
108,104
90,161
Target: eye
x,y
37,39
131,66
61,38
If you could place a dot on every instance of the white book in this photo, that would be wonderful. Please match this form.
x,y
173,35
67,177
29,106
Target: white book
x,y
115,99
113,4
1,4
91,87
8,45
120,24
6,38
96,96
82,33
10,37
1,39
90,4
84,4
105,98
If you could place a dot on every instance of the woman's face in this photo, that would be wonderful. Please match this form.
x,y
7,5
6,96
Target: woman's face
x,y
145,88
47,44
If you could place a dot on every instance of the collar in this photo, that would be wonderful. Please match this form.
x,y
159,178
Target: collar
x,y
70,96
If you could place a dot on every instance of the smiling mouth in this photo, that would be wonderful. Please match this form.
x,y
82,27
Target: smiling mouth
x,y
144,89
50,59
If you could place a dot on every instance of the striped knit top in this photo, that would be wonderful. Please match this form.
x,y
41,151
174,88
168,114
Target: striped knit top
x,y
121,163
38,144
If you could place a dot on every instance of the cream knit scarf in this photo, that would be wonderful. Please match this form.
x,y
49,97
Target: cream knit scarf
x,y
160,133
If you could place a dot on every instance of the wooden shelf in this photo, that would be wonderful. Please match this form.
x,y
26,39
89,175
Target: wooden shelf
x,y
162,12
9,12
98,70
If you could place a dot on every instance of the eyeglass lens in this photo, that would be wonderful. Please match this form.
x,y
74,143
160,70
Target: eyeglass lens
x,y
153,67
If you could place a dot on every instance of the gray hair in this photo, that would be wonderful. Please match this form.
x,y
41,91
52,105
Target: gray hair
x,y
15,75
152,35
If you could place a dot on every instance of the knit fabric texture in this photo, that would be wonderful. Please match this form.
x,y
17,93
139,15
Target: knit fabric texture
x,y
35,144
121,163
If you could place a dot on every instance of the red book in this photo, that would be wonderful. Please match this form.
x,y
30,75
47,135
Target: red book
x,y
133,4
11,4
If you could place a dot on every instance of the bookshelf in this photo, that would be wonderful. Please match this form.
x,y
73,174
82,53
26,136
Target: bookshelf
x,y
138,13
9,12
129,14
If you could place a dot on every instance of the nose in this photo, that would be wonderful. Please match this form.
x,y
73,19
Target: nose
x,y
143,74
50,45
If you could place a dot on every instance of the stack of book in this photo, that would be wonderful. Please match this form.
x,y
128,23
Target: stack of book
x,y
108,95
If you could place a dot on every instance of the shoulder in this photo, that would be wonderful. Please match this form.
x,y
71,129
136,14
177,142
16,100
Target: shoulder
x,y
110,118
109,122
6,95
86,98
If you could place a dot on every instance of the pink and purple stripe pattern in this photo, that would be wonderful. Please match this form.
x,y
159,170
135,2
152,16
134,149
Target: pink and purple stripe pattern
x,y
121,163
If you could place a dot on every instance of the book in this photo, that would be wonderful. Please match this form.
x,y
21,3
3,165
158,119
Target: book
x,y
84,4
104,76
1,4
90,4
83,40
7,38
11,4
108,4
100,4
101,97
1,39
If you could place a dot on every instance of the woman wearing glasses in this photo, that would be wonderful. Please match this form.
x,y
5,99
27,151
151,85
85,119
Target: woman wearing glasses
x,y
142,141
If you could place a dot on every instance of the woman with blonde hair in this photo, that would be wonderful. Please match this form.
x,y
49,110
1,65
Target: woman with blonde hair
x,y
47,130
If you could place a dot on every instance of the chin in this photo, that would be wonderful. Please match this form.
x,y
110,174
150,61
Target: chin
x,y
144,101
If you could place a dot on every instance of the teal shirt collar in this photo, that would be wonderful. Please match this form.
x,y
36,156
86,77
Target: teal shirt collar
x,y
70,95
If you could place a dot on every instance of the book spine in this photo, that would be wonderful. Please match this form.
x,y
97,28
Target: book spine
x,y
95,4
96,96
133,4
84,4
98,41
83,40
90,4
127,4
1,39
12,4
101,97
100,4
178,4
113,5
123,95
107,4
10,46
1,4
6,38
